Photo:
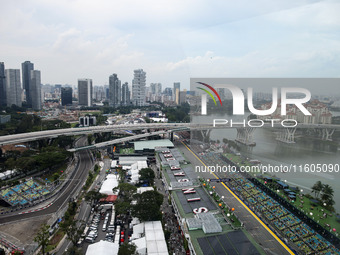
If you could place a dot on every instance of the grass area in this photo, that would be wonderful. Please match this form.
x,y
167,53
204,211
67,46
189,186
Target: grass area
x,y
126,151
74,124
305,205
49,176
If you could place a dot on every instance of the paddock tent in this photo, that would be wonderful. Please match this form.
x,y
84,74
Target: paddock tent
x,y
103,247
110,183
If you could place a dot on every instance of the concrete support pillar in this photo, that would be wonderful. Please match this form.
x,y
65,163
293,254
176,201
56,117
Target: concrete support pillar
x,y
286,135
245,135
327,134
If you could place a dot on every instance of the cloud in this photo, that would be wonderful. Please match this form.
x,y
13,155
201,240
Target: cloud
x,y
171,40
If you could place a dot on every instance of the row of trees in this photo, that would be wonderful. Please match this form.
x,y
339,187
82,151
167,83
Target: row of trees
x,y
47,158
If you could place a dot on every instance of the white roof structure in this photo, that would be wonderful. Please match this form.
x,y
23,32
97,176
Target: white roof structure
x,y
3,175
130,160
103,247
113,163
135,221
134,167
110,183
140,190
141,245
138,231
154,238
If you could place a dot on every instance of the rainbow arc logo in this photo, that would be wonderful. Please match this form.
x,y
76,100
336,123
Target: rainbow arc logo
x,y
209,93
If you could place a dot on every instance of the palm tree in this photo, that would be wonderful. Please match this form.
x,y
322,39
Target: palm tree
x,y
327,193
317,188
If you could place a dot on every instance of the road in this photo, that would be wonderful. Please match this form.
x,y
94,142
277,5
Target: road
x,y
73,187
260,233
85,210
31,136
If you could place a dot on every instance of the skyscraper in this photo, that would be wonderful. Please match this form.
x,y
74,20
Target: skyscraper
x,y
138,87
168,91
156,88
125,94
3,100
182,97
177,89
85,92
27,67
66,96
35,89
13,87
114,91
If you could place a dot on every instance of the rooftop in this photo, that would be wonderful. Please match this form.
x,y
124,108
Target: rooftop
x,y
152,144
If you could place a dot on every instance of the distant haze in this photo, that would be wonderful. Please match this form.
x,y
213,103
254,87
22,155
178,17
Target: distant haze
x,y
171,40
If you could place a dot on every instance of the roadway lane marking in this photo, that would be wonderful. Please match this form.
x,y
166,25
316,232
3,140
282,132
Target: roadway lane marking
x,y
245,206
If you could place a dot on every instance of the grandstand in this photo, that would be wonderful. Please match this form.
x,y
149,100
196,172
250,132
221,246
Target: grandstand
x,y
23,194
299,234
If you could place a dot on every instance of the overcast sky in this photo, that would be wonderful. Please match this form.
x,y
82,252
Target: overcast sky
x,y
171,40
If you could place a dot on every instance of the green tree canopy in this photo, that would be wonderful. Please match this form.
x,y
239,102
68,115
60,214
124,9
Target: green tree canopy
x,y
148,205
42,237
147,174
317,188
126,191
73,229
93,196
127,249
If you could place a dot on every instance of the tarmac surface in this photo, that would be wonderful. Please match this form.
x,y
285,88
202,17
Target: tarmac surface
x,y
261,235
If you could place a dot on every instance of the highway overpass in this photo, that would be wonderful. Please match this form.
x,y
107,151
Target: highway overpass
x,y
32,136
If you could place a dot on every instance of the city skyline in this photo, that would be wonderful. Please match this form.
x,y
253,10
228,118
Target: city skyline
x,y
171,41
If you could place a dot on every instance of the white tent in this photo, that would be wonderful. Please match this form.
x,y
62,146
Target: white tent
x,y
140,190
135,221
7,173
141,245
138,230
110,183
154,238
103,247
113,163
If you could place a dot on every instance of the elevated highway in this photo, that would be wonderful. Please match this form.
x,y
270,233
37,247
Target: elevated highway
x,y
32,136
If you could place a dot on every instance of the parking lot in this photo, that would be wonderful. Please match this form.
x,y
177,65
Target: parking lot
x,y
99,228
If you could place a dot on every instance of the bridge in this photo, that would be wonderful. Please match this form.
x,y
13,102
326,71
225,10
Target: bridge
x,y
244,132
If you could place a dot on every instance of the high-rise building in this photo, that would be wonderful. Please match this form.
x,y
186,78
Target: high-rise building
x,y
3,100
27,67
156,88
13,87
182,97
85,92
35,89
138,87
168,91
66,96
177,89
114,91
125,94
